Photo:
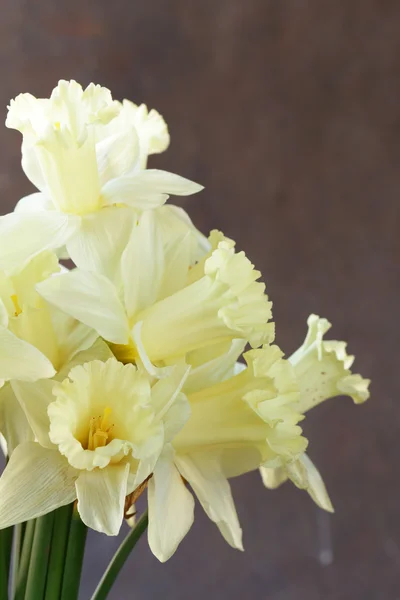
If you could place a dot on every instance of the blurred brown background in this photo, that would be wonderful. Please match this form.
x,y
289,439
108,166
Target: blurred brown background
x,y
288,112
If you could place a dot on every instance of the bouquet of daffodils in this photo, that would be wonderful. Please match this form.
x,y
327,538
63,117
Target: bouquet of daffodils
x,y
147,368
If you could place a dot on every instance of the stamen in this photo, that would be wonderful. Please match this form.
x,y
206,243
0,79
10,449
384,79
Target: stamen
x,y
18,309
99,430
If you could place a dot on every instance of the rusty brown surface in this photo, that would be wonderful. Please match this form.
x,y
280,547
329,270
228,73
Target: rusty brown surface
x,y
289,113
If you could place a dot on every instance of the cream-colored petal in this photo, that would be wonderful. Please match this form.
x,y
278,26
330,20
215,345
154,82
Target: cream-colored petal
x,y
20,360
216,369
99,350
171,508
273,478
38,201
35,481
147,189
323,368
101,240
14,425
34,399
151,128
72,336
127,191
214,493
101,497
306,476
175,224
227,303
142,265
90,298
118,152
24,234
69,168
163,182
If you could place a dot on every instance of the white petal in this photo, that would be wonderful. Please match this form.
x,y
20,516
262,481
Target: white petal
x,y
34,399
90,298
214,492
72,336
272,478
215,370
20,360
117,153
101,497
24,234
35,481
34,202
306,476
171,508
142,265
101,240
100,350
126,190
13,423
147,189
31,165
163,182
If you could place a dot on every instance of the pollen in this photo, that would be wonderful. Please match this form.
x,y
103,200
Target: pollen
x,y
18,309
99,430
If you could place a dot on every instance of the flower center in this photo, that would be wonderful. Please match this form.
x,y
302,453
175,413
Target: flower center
x,y
99,430
18,309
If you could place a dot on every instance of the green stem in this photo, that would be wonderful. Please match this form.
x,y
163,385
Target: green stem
x,y
119,558
37,574
21,579
74,558
19,531
6,536
59,543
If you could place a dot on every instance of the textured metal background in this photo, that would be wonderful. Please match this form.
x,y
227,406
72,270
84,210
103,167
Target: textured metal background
x,y
288,112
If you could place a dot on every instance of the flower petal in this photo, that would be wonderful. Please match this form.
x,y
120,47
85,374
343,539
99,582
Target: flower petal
x,y
20,360
323,368
163,182
142,265
171,508
35,481
34,202
101,240
117,153
214,493
24,234
34,399
90,298
306,476
14,425
125,190
147,189
101,497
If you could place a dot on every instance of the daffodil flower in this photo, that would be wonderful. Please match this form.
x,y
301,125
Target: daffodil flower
x,y
26,344
323,371
39,342
157,309
100,433
235,425
84,152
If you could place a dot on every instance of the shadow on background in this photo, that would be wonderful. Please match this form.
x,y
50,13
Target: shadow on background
x,y
289,114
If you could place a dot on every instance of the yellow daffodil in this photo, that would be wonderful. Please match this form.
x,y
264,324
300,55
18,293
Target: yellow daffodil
x,y
157,309
84,152
100,433
39,342
26,342
235,425
322,370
